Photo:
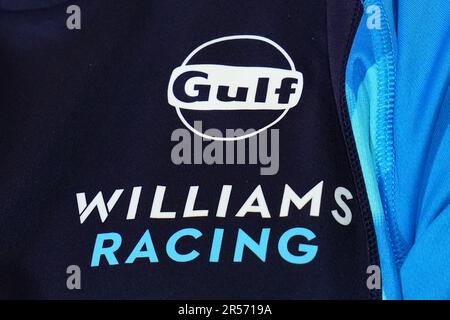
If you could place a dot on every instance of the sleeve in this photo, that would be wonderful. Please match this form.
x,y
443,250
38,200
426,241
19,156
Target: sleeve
x,y
422,147
397,87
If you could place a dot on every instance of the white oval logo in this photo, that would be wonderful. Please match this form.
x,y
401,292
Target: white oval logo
x,y
208,87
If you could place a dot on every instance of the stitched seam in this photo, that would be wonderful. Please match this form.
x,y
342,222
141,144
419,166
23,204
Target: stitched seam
x,y
353,156
384,135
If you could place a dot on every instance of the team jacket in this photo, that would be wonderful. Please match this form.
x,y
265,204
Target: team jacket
x,y
224,149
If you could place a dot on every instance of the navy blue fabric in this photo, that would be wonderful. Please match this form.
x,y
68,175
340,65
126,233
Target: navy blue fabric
x,y
86,111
